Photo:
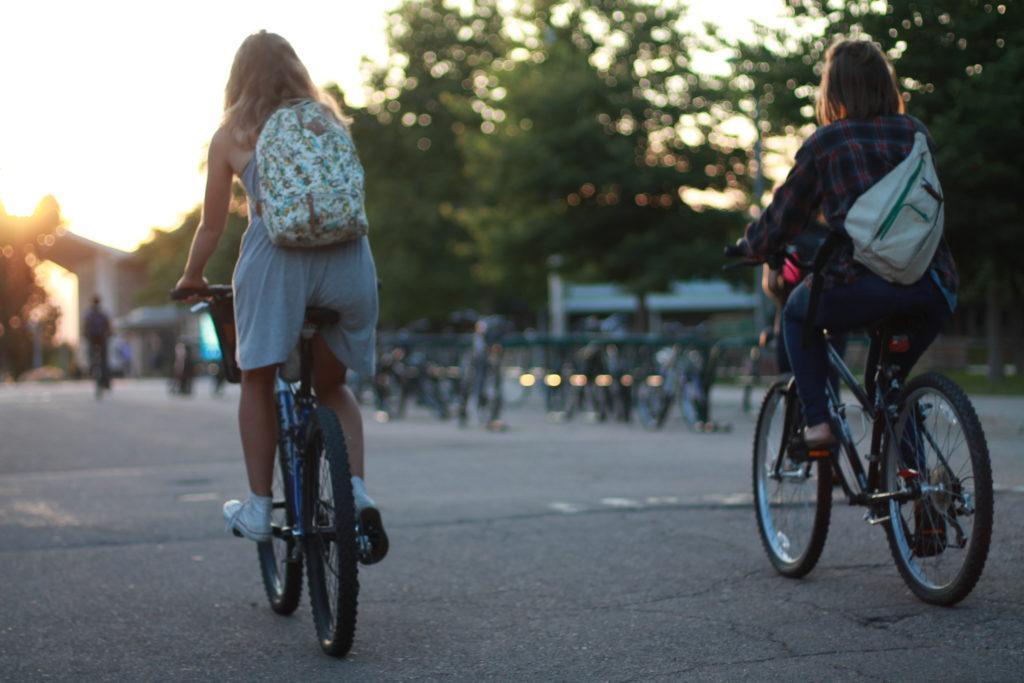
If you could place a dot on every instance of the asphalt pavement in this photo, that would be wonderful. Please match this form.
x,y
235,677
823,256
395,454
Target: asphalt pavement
x,y
579,551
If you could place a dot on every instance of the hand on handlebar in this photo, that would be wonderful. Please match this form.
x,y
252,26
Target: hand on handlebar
x,y
740,250
183,291
742,253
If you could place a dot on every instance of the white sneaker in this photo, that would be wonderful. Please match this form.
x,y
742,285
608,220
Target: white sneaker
x,y
250,519
370,523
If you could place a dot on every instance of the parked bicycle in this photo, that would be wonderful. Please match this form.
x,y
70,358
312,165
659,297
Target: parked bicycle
x,y
481,389
677,377
313,520
926,479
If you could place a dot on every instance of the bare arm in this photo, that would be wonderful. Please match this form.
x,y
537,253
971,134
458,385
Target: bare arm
x,y
215,211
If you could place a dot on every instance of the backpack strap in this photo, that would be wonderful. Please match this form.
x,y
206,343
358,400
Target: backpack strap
x,y
823,256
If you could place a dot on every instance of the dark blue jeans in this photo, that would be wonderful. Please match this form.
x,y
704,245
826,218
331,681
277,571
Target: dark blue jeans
x,y
846,308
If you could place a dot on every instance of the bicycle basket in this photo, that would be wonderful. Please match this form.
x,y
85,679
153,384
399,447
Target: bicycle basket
x,y
222,311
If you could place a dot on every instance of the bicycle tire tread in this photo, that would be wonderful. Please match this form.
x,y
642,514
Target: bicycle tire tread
x,y
823,510
974,436
338,641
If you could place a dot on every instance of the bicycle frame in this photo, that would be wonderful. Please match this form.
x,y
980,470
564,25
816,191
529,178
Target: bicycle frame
x,y
864,489
295,405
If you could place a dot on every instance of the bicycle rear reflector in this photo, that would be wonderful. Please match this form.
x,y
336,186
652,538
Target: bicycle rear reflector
x,y
899,343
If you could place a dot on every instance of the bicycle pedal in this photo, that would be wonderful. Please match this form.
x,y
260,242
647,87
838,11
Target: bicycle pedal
x,y
872,520
819,453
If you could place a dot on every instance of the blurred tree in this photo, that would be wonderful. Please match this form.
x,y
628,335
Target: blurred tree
x,y
415,173
24,308
165,253
955,61
591,132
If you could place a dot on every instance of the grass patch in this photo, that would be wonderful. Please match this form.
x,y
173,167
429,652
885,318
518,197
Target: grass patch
x,y
973,384
980,384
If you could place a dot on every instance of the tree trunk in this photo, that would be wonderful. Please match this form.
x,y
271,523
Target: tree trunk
x,y
993,332
1018,345
641,318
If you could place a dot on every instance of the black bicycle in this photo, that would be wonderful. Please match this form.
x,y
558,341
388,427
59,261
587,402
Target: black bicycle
x,y
926,479
313,518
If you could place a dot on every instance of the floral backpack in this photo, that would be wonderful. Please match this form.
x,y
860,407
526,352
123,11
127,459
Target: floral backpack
x,y
310,178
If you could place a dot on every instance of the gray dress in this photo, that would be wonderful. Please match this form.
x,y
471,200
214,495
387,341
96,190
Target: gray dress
x,y
273,285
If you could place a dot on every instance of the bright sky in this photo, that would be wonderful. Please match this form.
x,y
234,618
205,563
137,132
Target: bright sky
x,y
108,105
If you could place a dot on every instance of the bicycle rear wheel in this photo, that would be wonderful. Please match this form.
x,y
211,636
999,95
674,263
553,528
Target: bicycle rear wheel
x,y
331,555
792,499
940,540
280,565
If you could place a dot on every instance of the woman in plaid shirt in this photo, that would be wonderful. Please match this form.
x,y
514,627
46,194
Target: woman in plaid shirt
x,y
864,134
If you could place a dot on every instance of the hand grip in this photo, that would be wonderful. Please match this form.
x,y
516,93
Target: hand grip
x,y
734,251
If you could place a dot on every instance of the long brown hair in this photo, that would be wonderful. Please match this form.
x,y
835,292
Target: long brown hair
x,y
265,74
858,82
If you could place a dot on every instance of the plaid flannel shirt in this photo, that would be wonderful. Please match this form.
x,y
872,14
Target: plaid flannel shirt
x,y
834,167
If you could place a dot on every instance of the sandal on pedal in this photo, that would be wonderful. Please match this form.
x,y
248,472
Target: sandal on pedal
x,y
819,441
371,526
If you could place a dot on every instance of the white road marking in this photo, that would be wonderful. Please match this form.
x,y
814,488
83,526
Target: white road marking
x,y
621,503
198,497
731,498
37,513
650,502
662,500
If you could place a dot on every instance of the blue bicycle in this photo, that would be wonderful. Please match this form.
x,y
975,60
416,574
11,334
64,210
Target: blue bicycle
x,y
313,518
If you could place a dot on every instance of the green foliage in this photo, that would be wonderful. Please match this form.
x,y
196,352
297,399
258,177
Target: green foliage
x,y
415,182
164,255
497,137
585,162
22,301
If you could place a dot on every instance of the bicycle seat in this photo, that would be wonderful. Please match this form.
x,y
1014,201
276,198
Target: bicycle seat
x,y
894,325
320,317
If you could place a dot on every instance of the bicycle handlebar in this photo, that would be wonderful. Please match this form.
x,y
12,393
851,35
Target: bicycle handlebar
x,y
734,251
211,292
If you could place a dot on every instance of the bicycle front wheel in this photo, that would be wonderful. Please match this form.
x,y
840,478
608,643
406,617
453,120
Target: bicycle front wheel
x,y
939,539
280,564
792,498
331,554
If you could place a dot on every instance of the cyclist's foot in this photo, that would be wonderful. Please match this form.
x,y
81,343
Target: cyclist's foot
x,y
250,519
370,523
819,440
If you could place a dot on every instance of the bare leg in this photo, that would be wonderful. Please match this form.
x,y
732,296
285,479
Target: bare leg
x,y
329,383
257,422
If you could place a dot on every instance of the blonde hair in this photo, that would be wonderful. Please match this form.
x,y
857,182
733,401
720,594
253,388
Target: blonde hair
x,y
265,74
858,82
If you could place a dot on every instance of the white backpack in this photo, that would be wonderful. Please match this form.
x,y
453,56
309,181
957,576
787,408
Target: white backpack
x,y
310,178
896,226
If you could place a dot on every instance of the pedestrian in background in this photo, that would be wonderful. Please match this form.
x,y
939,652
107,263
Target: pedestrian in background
x,y
97,333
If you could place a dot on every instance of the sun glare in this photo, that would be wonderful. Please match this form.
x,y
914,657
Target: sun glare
x,y
62,287
119,99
